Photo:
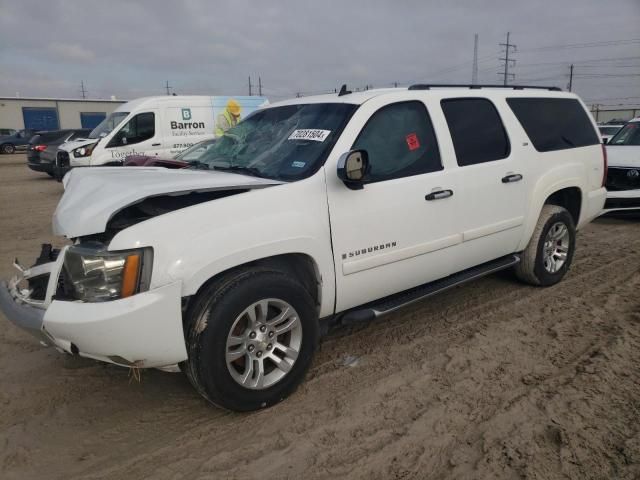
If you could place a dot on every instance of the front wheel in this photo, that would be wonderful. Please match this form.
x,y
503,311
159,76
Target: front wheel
x,y
250,337
8,148
549,253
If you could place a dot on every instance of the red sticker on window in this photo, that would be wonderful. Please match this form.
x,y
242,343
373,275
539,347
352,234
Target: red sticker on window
x,y
412,141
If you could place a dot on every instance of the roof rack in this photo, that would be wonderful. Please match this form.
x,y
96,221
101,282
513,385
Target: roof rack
x,y
427,86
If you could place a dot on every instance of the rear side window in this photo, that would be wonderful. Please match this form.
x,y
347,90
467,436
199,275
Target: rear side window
x,y
400,141
554,123
477,131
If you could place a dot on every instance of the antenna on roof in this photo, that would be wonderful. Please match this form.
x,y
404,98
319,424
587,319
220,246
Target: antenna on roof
x,y
343,90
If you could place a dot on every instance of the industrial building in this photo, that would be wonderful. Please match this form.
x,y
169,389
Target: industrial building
x,y
53,113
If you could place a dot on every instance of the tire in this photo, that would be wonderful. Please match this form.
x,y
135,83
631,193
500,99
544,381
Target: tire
x,y
540,261
8,148
219,310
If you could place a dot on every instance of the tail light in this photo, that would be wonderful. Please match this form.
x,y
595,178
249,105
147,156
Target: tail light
x,y
40,148
605,165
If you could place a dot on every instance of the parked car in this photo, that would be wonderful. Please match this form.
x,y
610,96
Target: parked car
x,y
623,177
608,131
43,147
7,131
181,160
333,208
162,126
18,141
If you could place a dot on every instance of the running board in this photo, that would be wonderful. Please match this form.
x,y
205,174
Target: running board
x,y
393,302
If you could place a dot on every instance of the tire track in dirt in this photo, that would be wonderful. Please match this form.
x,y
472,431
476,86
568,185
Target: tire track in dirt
x,y
492,379
319,427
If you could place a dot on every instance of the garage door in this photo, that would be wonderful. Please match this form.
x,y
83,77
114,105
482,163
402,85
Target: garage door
x,y
91,119
40,118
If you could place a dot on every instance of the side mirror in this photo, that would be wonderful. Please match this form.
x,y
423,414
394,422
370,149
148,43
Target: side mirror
x,y
353,167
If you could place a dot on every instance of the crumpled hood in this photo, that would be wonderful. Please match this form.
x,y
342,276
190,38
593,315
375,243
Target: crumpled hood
x,y
79,142
94,194
623,155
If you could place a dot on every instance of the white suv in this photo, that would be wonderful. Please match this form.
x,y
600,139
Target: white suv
x,y
337,207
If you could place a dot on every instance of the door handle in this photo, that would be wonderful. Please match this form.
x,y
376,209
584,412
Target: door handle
x,y
155,144
513,177
438,194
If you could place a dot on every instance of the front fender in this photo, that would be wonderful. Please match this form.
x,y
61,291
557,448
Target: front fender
x,y
196,243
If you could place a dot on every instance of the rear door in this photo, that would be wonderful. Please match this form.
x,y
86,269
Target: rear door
x,y
492,177
393,234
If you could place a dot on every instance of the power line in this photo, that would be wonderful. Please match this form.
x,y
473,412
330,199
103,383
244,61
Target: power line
x,y
605,43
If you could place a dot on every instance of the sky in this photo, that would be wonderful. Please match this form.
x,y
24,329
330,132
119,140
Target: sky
x,y
130,49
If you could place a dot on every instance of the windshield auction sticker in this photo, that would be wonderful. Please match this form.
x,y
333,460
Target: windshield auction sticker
x,y
310,134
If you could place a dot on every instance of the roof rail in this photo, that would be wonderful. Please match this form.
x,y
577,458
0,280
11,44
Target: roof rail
x,y
427,86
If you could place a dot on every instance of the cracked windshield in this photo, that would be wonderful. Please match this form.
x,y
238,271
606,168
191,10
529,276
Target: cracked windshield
x,y
285,143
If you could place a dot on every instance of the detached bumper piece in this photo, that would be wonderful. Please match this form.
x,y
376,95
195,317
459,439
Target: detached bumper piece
x,y
21,314
23,299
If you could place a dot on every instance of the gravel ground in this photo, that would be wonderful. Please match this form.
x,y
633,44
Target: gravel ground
x,y
493,379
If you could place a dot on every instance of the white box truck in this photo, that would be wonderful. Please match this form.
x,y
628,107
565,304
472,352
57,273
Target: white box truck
x,y
156,126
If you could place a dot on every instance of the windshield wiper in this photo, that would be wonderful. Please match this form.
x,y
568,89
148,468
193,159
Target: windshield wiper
x,y
198,165
254,172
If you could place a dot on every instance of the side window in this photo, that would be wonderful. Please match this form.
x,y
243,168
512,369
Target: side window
x,y
554,123
140,128
476,130
400,141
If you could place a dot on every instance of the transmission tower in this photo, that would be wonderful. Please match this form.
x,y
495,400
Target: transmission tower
x,y
508,62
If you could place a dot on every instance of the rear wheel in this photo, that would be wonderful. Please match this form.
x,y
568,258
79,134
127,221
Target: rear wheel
x,y
548,256
8,148
250,337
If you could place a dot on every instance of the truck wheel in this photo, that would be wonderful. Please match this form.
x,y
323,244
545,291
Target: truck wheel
x,y
250,339
549,253
8,148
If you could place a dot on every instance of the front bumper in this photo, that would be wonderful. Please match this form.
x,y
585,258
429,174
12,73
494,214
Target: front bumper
x,y
144,330
622,201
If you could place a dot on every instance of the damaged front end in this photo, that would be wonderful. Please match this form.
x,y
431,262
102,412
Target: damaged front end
x,y
87,301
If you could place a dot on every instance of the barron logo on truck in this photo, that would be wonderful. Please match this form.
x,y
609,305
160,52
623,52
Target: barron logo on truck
x,y
187,125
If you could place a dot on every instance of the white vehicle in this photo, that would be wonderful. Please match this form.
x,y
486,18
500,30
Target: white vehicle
x,y
161,126
623,175
329,208
607,131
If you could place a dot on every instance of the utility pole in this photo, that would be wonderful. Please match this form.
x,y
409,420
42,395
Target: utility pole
x,y
82,89
249,85
168,87
259,86
571,77
508,62
474,72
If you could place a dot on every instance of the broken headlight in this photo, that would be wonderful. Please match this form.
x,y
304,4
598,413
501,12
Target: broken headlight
x,y
84,151
97,275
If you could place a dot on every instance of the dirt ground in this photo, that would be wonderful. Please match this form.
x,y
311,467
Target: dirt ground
x,y
490,380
